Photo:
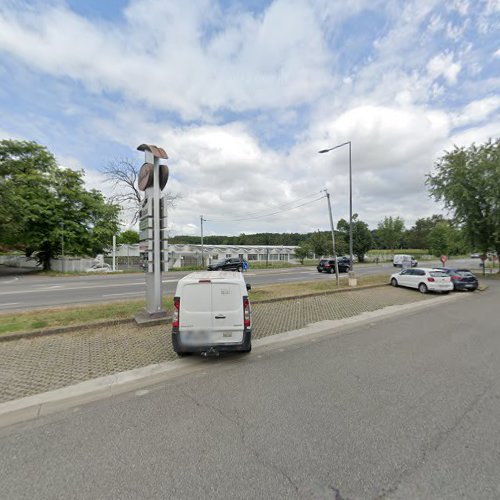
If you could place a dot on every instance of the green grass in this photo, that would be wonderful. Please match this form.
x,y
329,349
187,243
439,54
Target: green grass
x,y
60,317
278,291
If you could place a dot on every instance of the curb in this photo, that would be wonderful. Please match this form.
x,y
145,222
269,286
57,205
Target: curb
x,y
97,324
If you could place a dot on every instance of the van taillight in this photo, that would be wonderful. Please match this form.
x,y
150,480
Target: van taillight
x,y
246,312
175,317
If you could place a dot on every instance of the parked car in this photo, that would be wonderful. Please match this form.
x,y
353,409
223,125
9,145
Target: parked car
x,y
328,265
230,264
212,314
423,279
462,279
402,260
475,255
99,268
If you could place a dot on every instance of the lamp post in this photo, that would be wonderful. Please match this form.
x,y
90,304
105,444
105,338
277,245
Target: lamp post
x,y
350,196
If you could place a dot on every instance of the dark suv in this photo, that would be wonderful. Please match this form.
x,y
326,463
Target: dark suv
x,y
328,265
231,264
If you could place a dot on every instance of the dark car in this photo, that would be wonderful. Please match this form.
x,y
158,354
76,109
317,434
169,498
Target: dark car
x,y
230,264
462,279
328,265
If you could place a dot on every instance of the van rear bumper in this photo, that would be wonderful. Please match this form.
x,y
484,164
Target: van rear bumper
x,y
179,347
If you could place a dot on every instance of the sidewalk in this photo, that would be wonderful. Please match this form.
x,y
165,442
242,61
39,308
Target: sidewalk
x,y
32,366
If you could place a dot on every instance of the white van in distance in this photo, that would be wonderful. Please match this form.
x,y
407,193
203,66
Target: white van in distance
x,y
212,314
401,260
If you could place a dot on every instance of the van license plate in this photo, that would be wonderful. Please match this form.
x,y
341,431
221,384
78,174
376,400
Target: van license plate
x,y
227,334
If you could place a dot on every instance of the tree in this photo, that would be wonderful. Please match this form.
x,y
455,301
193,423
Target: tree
x,y
362,240
467,181
418,235
390,232
43,204
123,174
302,252
128,237
320,244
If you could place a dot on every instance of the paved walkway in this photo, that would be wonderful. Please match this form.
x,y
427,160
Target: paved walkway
x,y
31,366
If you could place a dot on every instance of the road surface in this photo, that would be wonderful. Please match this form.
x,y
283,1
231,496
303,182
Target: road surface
x,y
28,291
405,407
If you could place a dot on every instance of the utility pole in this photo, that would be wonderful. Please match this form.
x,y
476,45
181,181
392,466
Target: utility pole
x,y
62,244
202,252
114,252
333,237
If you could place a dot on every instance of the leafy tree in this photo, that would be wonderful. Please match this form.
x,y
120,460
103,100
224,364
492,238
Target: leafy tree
x,y
128,237
320,244
302,252
418,235
43,204
362,240
467,180
390,232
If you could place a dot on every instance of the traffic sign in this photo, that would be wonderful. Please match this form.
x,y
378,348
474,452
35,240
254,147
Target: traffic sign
x,y
443,259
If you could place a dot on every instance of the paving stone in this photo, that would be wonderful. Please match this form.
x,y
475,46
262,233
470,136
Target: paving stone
x,y
31,366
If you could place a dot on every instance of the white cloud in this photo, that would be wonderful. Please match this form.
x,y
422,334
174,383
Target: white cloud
x,y
273,60
497,53
477,111
443,65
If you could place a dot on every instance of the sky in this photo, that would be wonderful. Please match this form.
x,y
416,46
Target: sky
x,y
243,94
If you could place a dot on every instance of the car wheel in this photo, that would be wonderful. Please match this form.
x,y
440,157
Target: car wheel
x,y
319,270
422,288
394,282
183,354
240,269
246,351
330,271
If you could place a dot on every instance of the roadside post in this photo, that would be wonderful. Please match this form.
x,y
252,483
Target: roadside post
x,y
483,258
443,259
153,177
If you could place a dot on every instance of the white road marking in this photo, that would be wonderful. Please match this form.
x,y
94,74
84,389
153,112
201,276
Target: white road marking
x,y
71,288
9,281
10,304
119,294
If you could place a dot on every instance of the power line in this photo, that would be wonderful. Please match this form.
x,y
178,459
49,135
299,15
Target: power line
x,y
260,216
267,215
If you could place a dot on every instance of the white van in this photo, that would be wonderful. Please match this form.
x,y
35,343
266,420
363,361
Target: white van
x,y
212,314
402,260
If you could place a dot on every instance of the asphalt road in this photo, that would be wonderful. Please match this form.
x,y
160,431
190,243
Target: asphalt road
x,y
405,407
28,291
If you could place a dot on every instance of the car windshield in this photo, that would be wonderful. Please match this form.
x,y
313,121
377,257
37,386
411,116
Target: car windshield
x,y
465,274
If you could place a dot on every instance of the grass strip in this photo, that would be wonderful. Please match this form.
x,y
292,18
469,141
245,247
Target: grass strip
x,y
83,314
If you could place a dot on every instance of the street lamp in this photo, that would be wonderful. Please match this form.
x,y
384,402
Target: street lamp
x,y
350,195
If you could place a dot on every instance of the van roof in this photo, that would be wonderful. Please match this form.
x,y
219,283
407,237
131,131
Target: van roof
x,y
213,276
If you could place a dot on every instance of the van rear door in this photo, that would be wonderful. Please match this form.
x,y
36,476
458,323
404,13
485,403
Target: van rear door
x,y
196,307
227,307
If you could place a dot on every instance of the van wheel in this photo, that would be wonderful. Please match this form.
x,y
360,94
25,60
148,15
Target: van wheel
x,y
183,354
422,288
394,282
240,269
246,351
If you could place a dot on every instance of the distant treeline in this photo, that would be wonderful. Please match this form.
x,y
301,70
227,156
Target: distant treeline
x,y
246,239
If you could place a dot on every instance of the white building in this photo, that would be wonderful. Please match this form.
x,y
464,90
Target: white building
x,y
182,255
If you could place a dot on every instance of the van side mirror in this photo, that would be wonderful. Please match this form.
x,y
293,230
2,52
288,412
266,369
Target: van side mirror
x,y
249,287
